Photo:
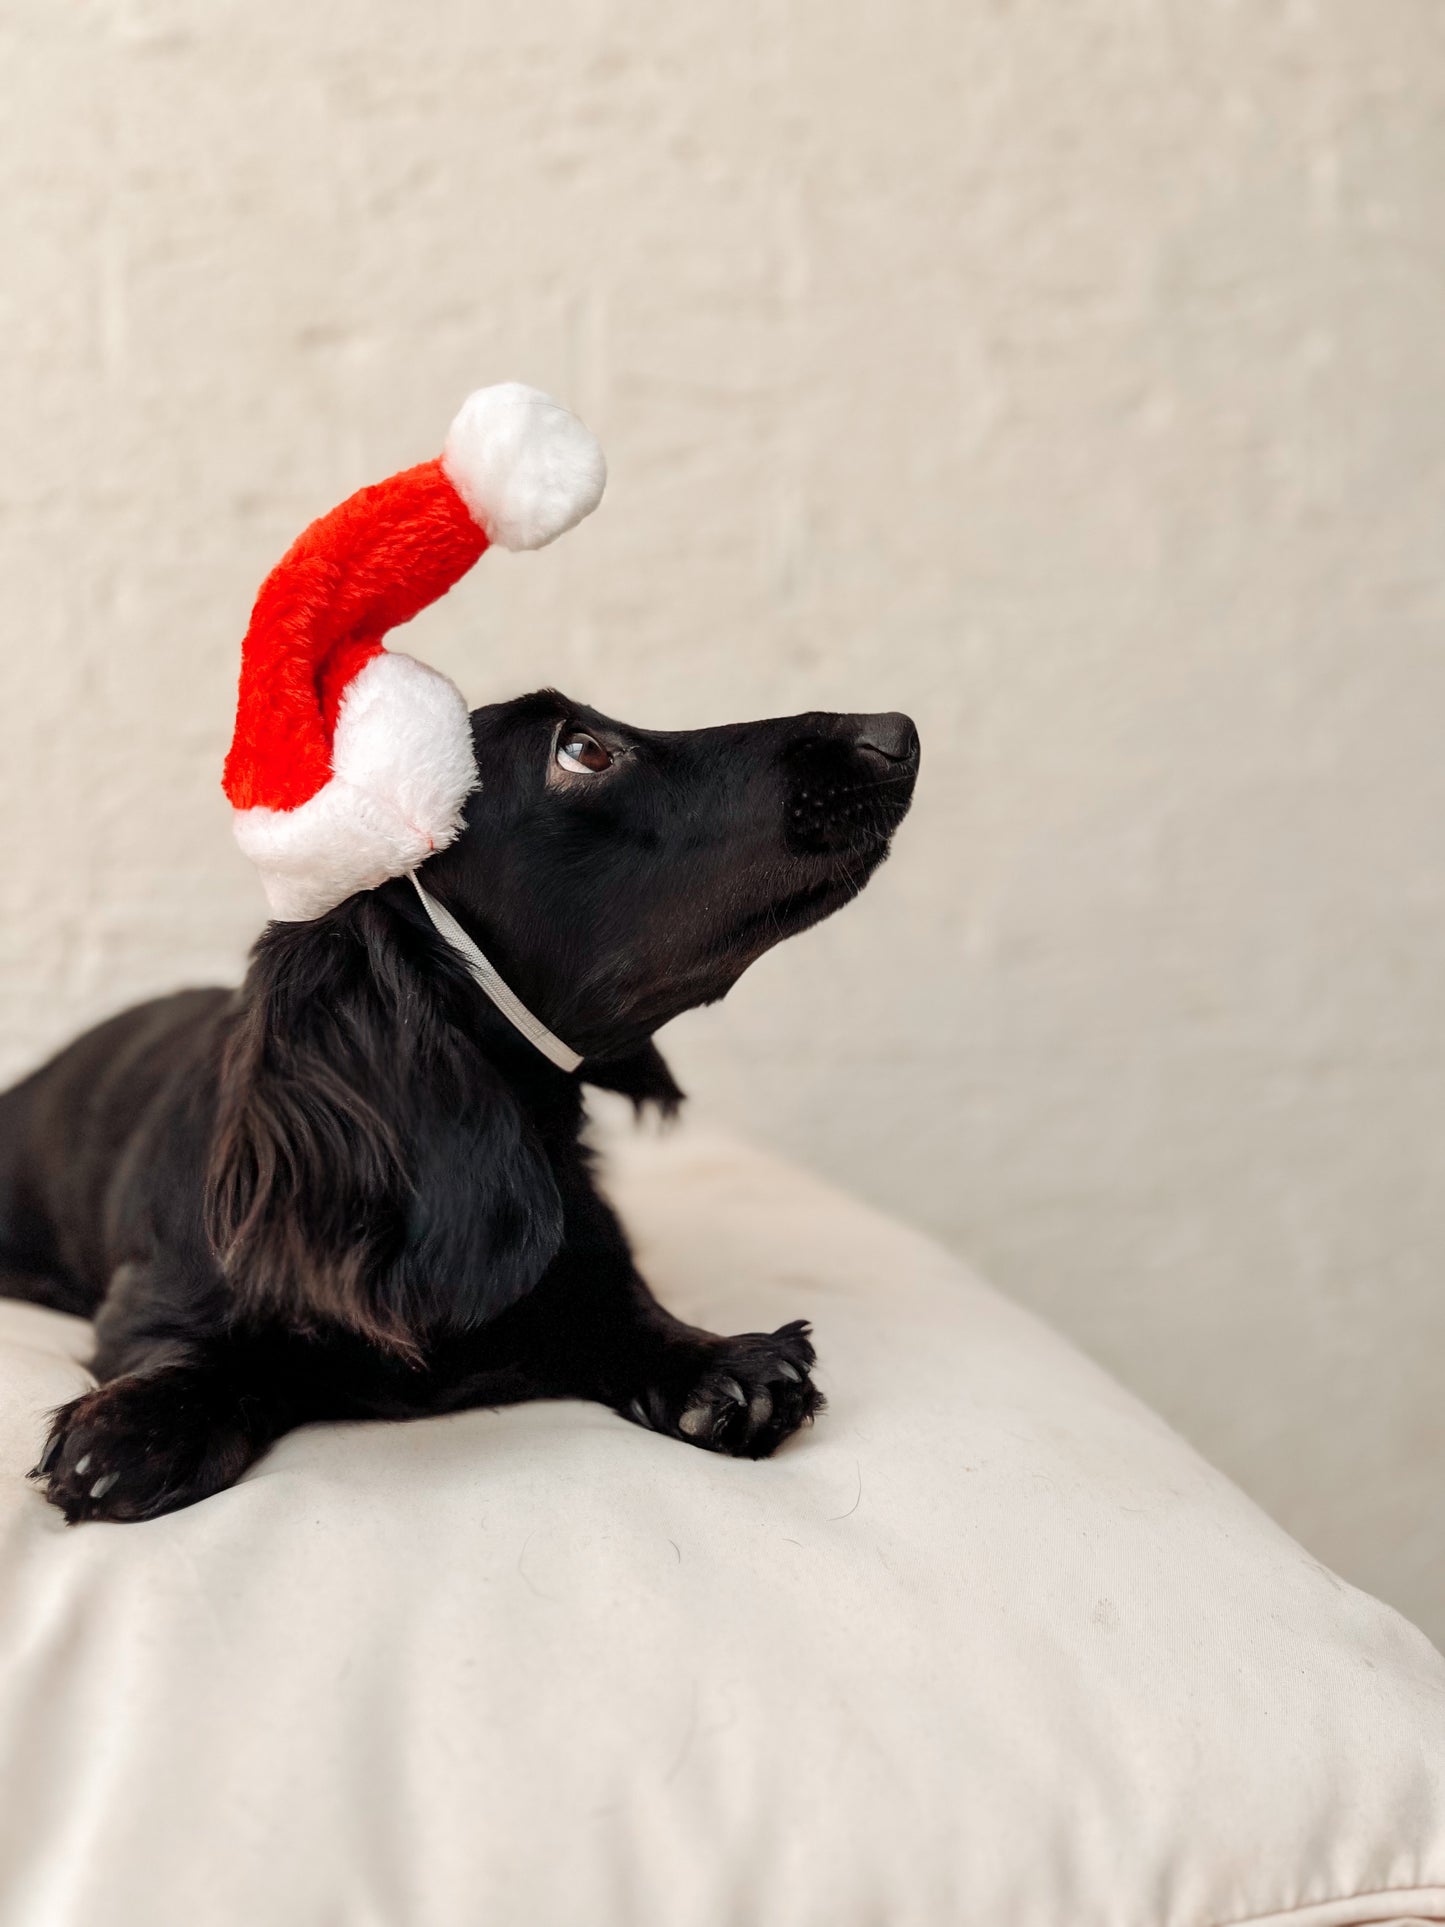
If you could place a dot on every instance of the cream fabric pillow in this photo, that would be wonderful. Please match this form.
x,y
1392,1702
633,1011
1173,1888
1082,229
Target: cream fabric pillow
x,y
989,1646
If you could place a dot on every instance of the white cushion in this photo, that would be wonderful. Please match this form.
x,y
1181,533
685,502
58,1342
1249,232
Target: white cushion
x,y
988,1646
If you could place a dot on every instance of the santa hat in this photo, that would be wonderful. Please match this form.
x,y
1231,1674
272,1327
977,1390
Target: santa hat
x,y
350,763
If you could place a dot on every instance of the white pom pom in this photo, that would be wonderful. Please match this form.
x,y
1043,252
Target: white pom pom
x,y
527,469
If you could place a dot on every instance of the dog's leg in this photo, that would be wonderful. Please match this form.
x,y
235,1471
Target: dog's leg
x,y
180,1413
741,1395
153,1441
48,1288
592,1329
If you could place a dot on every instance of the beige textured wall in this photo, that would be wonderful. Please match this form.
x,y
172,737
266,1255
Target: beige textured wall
x,y
1072,375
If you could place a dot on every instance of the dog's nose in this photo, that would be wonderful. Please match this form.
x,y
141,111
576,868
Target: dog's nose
x,y
892,736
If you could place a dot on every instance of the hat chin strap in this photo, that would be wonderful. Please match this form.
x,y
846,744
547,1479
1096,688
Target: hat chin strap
x,y
485,976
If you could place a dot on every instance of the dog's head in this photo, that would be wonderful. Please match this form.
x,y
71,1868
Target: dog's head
x,y
618,876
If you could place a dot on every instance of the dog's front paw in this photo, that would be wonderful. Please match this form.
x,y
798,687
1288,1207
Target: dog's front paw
x,y
137,1447
751,1393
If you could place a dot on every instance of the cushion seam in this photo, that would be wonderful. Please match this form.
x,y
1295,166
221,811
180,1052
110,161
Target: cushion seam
x,y
1431,1892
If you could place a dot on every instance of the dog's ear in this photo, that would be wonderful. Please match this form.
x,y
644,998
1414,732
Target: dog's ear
x,y
642,1076
369,1169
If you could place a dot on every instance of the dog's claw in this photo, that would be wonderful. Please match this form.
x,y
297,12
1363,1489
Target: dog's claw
x,y
733,1390
790,1371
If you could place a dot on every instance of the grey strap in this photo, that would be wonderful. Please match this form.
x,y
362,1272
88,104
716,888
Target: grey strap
x,y
491,985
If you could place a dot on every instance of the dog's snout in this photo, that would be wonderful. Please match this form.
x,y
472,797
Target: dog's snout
x,y
892,735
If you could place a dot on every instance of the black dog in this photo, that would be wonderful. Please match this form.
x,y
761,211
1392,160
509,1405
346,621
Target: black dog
x,y
351,1189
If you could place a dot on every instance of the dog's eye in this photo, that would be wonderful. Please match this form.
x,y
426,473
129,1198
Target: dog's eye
x,y
583,755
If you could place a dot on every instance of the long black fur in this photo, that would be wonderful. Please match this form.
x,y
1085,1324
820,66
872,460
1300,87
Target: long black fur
x,y
351,1189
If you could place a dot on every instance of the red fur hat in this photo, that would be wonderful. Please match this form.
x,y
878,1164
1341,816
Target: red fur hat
x,y
350,763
